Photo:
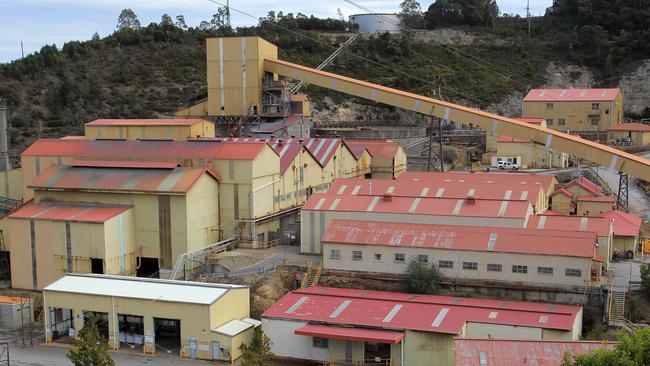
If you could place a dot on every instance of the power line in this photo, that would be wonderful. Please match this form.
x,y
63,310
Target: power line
x,y
414,77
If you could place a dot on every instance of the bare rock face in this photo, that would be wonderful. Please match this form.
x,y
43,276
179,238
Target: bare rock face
x,y
445,36
509,107
636,89
568,76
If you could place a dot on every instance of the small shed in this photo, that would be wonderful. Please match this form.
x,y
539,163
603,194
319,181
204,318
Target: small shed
x,y
15,312
637,134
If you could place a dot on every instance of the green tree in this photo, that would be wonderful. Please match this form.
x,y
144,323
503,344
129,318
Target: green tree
x,y
180,22
258,352
645,280
461,12
166,21
128,20
422,278
632,350
410,14
90,349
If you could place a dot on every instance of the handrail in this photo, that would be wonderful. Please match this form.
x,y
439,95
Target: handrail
x,y
216,247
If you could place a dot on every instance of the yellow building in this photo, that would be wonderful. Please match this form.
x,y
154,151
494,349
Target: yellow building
x,y
192,319
148,129
575,109
529,154
388,157
594,205
11,184
634,134
491,139
627,231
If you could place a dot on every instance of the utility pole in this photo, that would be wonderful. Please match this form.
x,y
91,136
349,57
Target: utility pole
x,y
440,120
528,16
4,140
22,50
228,13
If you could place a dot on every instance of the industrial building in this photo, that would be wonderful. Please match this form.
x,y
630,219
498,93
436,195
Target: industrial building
x,y
376,23
629,134
148,129
322,324
465,253
528,154
98,216
193,319
575,110
388,157
627,231
481,352
580,196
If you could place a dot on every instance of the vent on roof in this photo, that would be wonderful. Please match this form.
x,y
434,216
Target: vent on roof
x,y
550,308
456,211
388,197
456,301
298,303
440,192
392,313
503,304
319,204
543,319
342,189
440,317
355,190
340,309
335,204
507,195
411,298
363,293
493,315
471,200
373,203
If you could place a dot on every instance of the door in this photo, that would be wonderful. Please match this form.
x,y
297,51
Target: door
x,y
216,352
348,351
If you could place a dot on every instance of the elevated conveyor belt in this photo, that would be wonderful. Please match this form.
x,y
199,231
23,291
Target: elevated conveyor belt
x,y
609,157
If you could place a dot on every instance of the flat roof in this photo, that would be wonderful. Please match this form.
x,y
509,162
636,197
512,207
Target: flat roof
x,y
65,211
546,180
571,95
471,351
599,225
434,206
402,188
146,122
456,237
141,288
426,313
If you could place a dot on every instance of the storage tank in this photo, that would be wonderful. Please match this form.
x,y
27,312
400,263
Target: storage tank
x,y
376,23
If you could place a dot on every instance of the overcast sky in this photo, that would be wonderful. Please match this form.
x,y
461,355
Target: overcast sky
x,y
40,22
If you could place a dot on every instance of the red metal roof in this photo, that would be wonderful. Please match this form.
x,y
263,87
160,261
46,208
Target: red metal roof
x,y
350,334
506,138
624,224
64,211
455,237
535,121
470,352
563,191
599,225
123,164
146,122
571,95
427,313
419,206
287,149
546,180
322,149
177,180
637,127
155,150
400,188
586,184
602,198
376,147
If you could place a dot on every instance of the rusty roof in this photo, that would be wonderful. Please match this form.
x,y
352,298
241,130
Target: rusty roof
x,y
572,95
457,237
123,164
425,313
376,147
546,180
484,352
66,211
378,187
435,206
160,150
599,225
146,122
67,177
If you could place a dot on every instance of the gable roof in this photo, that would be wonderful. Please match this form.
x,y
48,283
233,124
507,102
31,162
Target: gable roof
x,y
585,183
624,224
130,179
562,191
377,148
599,225
636,127
571,95
546,180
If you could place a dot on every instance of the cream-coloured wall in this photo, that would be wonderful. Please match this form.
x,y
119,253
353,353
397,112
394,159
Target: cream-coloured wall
x,y
195,110
202,203
304,172
387,263
150,132
33,166
364,164
562,203
11,184
235,304
577,114
594,208
533,155
500,331
623,243
313,224
120,250
421,348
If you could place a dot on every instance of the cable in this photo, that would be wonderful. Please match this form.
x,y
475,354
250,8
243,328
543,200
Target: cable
x,y
463,94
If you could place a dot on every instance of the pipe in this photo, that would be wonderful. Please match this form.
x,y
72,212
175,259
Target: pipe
x,y
401,348
116,332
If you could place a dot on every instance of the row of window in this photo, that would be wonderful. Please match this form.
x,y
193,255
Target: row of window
x,y
595,121
469,266
594,106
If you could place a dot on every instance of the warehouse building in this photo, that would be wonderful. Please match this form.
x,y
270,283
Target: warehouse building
x,y
491,139
594,205
580,196
322,324
148,129
165,211
575,109
514,256
627,230
482,352
196,320
632,134
388,157
319,211
529,154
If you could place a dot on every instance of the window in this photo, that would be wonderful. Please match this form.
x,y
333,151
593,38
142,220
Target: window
x,y
519,269
549,121
492,267
471,266
423,258
399,257
335,253
545,271
573,272
445,264
377,256
595,121
357,255
561,121
321,342
595,106
606,111
549,106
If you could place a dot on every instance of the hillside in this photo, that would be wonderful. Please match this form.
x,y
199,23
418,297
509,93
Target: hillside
x,y
147,72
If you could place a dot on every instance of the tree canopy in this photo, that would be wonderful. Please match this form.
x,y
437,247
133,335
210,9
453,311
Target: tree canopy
x,y
444,13
258,351
421,278
632,350
128,20
90,349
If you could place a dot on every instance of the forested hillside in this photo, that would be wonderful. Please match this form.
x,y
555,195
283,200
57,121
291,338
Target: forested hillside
x,y
147,71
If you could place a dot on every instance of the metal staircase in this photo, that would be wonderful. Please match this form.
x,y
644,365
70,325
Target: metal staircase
x,y
596,178
312,276
616,307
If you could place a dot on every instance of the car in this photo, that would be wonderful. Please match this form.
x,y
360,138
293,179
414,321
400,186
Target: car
x,y
502,164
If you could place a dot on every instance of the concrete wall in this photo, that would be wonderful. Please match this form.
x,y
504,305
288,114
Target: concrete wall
x,y
499,331
533,155
315,223
150,132
562,203
594,208
420,349
577,114
387,264
11,184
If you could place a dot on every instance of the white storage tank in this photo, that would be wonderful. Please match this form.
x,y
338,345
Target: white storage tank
x,y
376,23
11,312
